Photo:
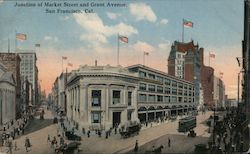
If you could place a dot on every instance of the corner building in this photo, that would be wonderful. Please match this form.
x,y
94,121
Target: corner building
x,y
101,97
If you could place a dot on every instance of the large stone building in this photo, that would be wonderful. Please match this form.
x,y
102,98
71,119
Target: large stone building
x,y
101,97
28,69
107,96
184,61
11,61
161,95
7,96
207,81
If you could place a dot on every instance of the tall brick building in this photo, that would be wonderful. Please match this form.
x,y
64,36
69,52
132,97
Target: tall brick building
x,y
11,61
186,61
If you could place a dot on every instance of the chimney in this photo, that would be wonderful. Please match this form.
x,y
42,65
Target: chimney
x,y
95,62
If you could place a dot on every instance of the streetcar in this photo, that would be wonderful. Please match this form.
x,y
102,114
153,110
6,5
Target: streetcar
x,y
187,124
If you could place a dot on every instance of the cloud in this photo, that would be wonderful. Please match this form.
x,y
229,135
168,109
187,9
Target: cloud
x,y
143,47
93,25
142,11
164,45
163,21
50,38
1,1
112,15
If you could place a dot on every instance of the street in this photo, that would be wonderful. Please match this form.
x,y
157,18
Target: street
x,y
37,131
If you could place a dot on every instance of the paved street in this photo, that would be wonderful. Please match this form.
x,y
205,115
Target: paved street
x,y
148,137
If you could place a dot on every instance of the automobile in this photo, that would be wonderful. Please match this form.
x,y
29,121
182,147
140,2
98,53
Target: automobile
x,y
72,136
68,148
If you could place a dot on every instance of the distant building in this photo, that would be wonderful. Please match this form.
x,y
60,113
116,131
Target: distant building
x,y
219,92
207,81
28,69
231,103
11,62
62,81
7,96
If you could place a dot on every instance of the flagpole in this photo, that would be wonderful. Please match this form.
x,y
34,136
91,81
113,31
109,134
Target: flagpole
x,y
209,58
8,45
62,64
143,58
118,44
15,41
183,30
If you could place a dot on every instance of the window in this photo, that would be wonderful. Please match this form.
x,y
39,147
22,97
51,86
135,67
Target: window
x,y
185,99
179,99
167,82
174,99
143,86
151,98
151,76
96,97
159,89
116,96
142,74
129,98
174,83
180,85
159,98
167,98
179,92
174,91
151,88
142,97
185,92
167,90
160,79
96,117
129,114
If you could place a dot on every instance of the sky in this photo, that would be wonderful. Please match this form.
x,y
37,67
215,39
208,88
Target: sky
x,y
150,25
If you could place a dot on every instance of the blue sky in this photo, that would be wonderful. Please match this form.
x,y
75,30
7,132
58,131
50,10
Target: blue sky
x,y
151,25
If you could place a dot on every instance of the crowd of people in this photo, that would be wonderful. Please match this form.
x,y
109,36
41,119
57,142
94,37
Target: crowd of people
x,y
227,134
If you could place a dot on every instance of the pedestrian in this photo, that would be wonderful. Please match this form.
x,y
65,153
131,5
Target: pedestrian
x,y
15,146
136,147
27,144
61,141
169,142
48,140
107,134
88,133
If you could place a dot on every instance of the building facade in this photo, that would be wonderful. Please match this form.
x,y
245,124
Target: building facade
x,y
101,97
62,81
28,69
184,61
161,95
11,62
7,96
219,93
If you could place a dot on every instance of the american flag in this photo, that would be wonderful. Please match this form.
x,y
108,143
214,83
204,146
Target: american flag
x,y
123,39
212,55
69,64
21,36
146,53
187,23
64,58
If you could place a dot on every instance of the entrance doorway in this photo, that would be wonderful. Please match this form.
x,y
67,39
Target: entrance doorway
x,y
116,119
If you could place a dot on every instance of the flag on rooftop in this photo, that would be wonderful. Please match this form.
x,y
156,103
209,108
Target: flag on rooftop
x,y
188,24
21,36
37,45
146,53
64,58
211,55
123,39
69,64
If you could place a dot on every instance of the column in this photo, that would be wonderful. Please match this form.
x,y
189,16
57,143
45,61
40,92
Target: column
x,y
107,119
154,114
147,116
